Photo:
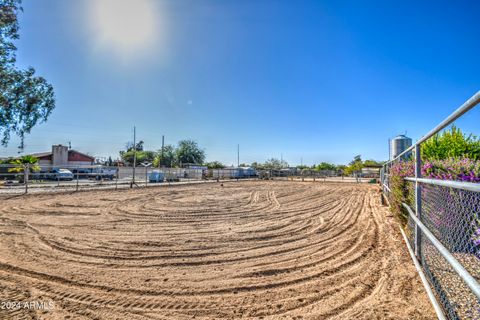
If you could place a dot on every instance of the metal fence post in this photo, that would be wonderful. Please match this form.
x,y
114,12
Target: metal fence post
x,y
25,176
418,200
118,172
133,174
76,187
146,176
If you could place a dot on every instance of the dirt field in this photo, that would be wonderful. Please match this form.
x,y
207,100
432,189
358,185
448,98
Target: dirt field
x,y
271,250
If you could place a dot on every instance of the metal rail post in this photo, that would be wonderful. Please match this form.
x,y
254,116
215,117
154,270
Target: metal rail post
x,y
134,155
25,176
118,172
418,201
76,188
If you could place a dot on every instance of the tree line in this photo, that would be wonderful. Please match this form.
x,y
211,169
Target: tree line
x,y
352,167
185,152
189,152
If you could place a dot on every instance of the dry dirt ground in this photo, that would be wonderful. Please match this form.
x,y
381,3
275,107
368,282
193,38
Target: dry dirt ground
x,y
271,250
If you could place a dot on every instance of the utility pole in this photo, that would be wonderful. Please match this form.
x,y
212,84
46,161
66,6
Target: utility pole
x,y
238,155
161,153
134,152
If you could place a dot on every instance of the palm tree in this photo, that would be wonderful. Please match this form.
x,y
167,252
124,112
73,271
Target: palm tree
x,y
22,163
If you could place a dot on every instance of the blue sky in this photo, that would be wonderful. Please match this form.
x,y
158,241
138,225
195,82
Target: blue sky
x,y
311,80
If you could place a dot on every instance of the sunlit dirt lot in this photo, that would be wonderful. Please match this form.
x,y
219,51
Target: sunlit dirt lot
x,y
289,250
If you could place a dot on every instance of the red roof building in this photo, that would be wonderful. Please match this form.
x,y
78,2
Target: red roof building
x,y
62,156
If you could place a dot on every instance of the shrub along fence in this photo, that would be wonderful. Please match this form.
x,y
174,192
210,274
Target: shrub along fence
x,y
438,202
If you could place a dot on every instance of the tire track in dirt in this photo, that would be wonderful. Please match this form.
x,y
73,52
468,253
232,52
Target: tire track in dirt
x,y
244,249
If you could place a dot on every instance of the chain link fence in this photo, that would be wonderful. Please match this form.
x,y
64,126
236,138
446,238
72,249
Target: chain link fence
x,y
442,228
34,178
452,216
30,178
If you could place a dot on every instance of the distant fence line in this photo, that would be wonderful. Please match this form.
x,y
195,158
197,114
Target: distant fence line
x,y
16,179
443,230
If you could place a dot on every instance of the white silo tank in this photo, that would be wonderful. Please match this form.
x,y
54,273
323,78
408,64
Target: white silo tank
x,y
399,144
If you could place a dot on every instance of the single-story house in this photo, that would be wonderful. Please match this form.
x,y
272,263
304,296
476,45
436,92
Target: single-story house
x,y
62,156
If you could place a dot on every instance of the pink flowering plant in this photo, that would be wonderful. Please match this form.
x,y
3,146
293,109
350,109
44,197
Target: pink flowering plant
x,y
443,219
463,169
401,190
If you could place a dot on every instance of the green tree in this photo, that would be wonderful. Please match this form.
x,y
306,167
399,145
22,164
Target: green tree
x,y
275,164
256,165
341,167
354,166
215,165
357,159
25,99
21,162
145,156
371,163
142,156
451,143
165,158
139,146
326,166
188,151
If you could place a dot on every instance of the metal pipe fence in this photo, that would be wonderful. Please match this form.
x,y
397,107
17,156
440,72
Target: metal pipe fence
x,y
443,228
18,179
31,178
